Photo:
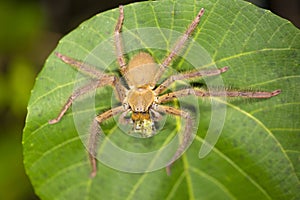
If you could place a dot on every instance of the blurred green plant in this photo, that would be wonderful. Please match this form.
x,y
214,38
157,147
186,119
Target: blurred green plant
x,y
21,23
16,85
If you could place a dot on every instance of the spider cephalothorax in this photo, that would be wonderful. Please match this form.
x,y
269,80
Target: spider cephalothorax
x,y
143,97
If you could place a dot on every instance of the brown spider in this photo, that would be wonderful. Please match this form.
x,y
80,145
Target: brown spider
x,y
141,97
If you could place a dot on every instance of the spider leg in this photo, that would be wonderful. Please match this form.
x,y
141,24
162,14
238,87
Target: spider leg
x,y
95,74
81,66
71,99
189,75
203,93
179,44
186,134
156,116
120,91
123,119
95,131
118,41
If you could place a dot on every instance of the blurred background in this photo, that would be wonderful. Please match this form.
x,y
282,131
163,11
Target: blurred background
x,y
29,31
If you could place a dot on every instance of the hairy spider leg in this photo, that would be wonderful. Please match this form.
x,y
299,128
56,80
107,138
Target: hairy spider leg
x,y
84,68
99,80
179,45
187,133
203,93
188,75
94,133
118,41
76,94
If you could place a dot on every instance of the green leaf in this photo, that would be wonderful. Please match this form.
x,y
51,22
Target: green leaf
x,y
257,154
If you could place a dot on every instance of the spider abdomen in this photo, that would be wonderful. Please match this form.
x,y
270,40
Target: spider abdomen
x,y
141,71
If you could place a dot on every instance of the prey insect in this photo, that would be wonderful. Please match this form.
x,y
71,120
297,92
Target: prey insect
x,y
143,98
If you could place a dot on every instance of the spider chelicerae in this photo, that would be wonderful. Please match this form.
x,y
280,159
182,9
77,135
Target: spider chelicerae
x,y
143,97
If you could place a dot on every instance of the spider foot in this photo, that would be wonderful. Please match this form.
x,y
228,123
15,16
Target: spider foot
x,y
93,165
53,121
275,92
168,169
93,174
224,69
